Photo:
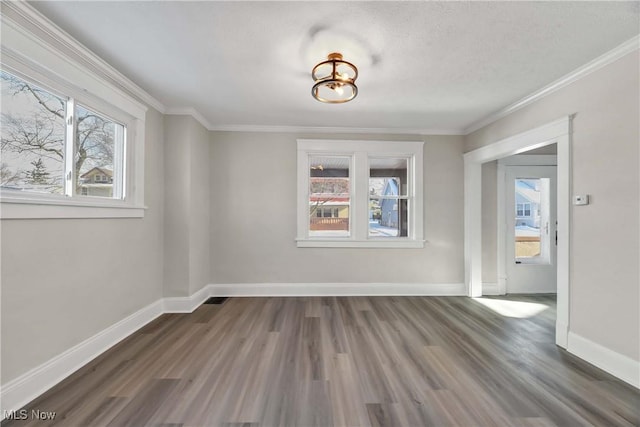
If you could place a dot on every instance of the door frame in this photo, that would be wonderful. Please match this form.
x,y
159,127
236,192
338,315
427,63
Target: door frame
x,y
518,160
559,132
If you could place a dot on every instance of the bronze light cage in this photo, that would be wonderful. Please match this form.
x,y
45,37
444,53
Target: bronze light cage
x,y
334,80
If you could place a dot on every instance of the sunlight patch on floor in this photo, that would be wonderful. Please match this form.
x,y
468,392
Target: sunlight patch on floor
x,y
507,308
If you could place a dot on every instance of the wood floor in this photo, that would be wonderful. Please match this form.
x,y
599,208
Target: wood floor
x,y
357,361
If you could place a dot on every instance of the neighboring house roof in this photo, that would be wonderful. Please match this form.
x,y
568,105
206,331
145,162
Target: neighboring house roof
x,y
95,170
391,188
528,192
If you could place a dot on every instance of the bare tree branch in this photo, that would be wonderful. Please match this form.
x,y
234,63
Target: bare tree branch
x,y
37,129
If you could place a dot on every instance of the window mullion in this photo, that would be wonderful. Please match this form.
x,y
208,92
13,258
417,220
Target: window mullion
x,y
119,181
360,196
69,149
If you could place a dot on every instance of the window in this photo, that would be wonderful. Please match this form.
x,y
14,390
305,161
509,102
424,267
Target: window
x,y
329,193
532,242
359,194
388,197
325,212
51,144
523,209
65,152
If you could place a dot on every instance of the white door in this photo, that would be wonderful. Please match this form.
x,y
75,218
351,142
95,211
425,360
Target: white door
x,y
531,229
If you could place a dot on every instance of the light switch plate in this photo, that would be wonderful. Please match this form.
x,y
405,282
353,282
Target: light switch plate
x,y
581,199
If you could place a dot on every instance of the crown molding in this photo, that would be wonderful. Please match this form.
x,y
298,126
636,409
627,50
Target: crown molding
x,y
577,74
23,16
328,129
189,111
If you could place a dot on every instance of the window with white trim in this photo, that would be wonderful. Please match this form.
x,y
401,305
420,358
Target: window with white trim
x,y
360,194
52,144
65,152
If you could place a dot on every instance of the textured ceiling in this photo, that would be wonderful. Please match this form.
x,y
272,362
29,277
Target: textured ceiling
x,y
423,65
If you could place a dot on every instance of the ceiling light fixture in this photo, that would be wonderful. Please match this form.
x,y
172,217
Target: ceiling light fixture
x,y
334,80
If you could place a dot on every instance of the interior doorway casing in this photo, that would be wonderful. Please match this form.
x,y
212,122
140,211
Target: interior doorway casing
x,y
558,132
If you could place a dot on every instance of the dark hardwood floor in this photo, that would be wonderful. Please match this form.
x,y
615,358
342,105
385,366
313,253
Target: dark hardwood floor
x,y
356,361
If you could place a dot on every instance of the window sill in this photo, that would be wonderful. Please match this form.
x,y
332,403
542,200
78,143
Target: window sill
x,y
58,209
374,244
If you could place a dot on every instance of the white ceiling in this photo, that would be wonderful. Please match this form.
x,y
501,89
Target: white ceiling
x,y
423,65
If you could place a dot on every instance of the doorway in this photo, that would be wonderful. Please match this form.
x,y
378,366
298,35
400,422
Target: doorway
x,y
558,132
530,229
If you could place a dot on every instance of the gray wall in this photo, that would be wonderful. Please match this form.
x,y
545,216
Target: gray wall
x,y
489,222
176,206
186,206
58,291
604,273
253,217
201,194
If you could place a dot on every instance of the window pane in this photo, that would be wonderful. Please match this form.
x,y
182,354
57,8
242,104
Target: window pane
x,y
97,140
329,196
388,218
387,187
33,137
529,224
387,176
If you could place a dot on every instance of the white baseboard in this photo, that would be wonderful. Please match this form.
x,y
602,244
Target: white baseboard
x,y
335,289
618,365
490,288
187,304
22,390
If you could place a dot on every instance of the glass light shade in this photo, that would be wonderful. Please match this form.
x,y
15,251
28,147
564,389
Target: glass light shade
x,y
334,80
